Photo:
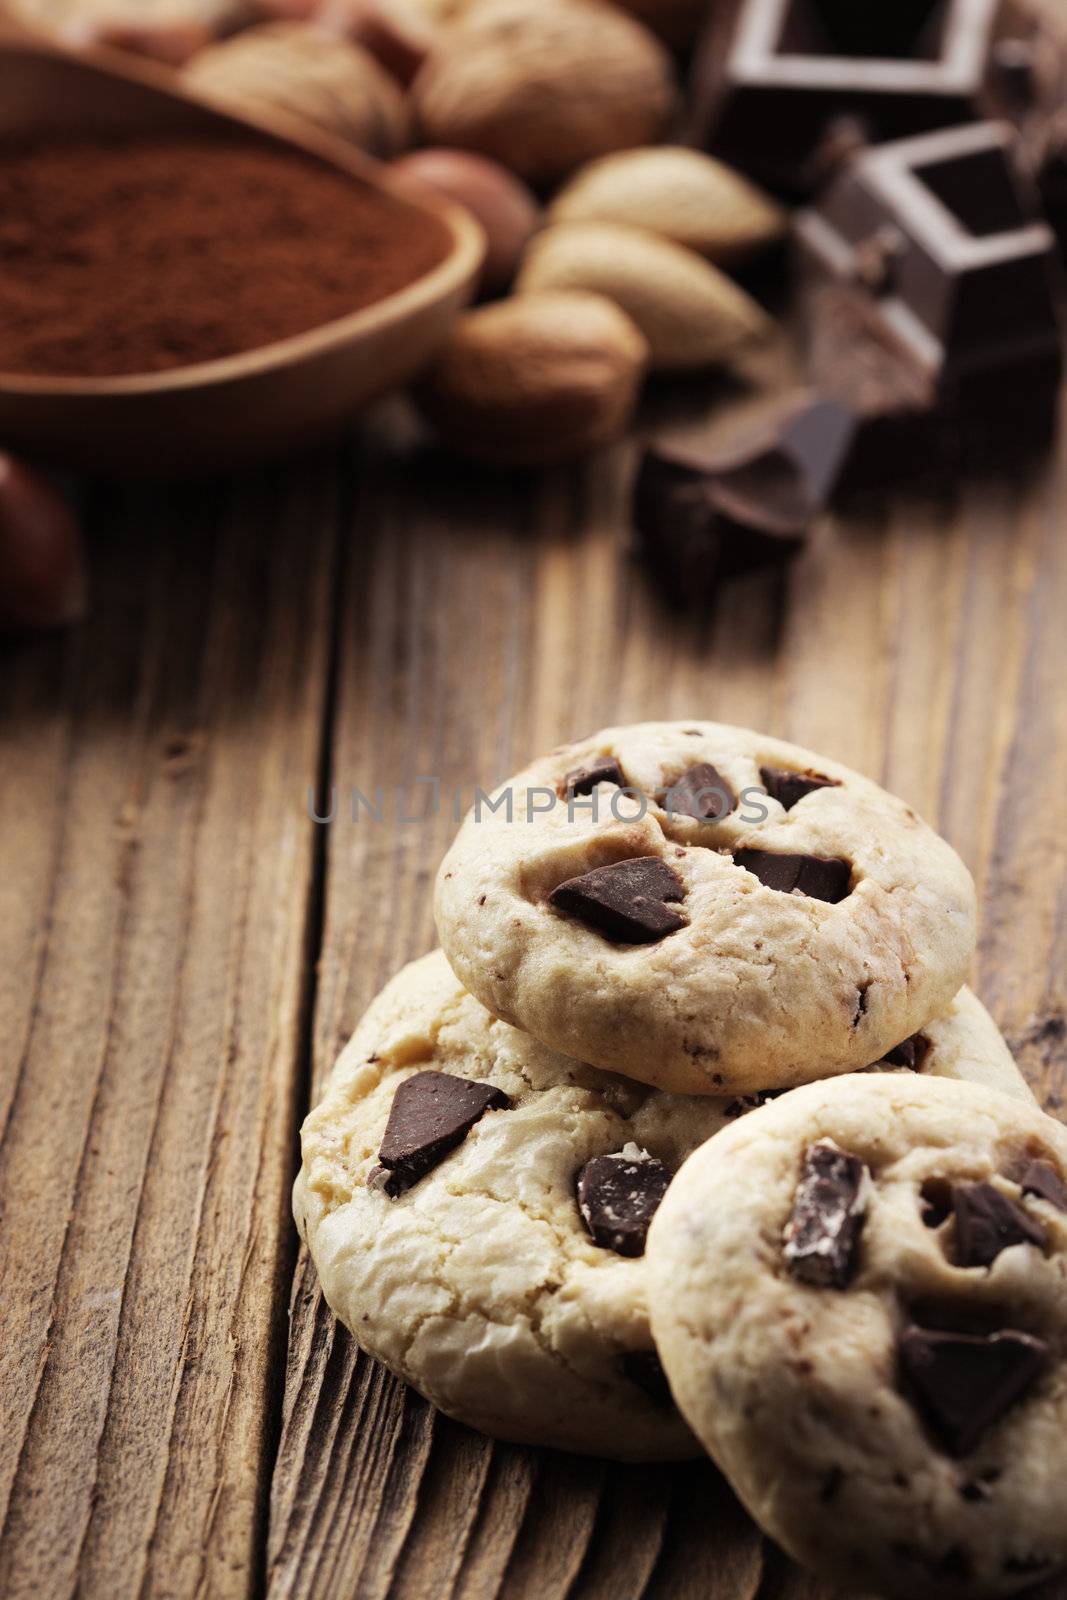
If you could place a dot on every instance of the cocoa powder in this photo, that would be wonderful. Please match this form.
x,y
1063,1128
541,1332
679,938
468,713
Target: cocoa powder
x,y
119,258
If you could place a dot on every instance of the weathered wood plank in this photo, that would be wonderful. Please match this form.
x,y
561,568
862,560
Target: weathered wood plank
x,y
156,887
485,620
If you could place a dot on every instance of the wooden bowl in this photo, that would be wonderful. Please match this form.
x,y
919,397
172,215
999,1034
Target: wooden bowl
x,y
218,413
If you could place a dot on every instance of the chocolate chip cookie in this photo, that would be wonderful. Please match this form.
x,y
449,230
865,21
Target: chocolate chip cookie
x,y
706,909
859,1295
477,1208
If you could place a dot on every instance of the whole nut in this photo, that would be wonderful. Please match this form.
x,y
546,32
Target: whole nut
x,y
532,381
309,73
544,87
678,193
691,314
502,204
42,562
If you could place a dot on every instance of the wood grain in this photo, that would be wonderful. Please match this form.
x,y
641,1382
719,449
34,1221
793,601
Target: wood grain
x,y
156,875
920,640
166,989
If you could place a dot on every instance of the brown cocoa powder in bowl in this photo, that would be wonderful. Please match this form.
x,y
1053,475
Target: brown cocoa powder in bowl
x,y
120,257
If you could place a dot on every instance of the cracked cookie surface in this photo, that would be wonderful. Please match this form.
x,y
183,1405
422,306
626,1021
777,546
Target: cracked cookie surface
x,y
859,1294
481,1281
753,915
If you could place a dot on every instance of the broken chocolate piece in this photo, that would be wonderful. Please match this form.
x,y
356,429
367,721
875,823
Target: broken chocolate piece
x,y
626,901
432,1113
644,1368
964,1383
1042,1179
987,1222
701,793
820,877
765,93
704,516
618,1195
910,1053
968,313
789,787
605,769
829,1210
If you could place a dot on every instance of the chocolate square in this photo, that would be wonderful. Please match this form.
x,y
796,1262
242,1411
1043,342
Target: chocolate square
x,y
768,85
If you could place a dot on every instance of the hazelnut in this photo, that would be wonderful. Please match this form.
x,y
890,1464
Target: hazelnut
x,y
42,563
527,382
306,72
503,205
544,87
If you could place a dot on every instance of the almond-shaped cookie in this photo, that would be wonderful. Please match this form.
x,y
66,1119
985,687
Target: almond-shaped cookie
x,y
859,1294
704,908
477,1207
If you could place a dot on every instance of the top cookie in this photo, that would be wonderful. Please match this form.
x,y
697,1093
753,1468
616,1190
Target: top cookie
x,y
705,909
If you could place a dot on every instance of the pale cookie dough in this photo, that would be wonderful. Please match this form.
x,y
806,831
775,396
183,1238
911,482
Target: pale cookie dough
x,y
859,1294
480,1284
741,986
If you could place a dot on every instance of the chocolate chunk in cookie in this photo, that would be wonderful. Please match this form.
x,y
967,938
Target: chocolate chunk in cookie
x,y
935,1200
964,1382
789,787
627,901
910,1053
431,1114
1043,1180
829,1210
618,1195
819,877
702,793
987,1222
644,1368
583,780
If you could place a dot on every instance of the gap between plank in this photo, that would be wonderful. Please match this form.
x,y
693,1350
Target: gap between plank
x,y
349,462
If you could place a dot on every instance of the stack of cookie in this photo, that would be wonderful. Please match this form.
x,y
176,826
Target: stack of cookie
x,y
690,1136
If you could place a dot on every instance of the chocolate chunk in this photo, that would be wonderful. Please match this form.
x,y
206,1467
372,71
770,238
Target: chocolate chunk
x,y
704,516
702,793
829,1210
936,1202
910,1053
605,769
626,901
789,787
644,1368
820,877
618,1195
971,313
964,1383
987,1222
772,75
431,1114
1042,1179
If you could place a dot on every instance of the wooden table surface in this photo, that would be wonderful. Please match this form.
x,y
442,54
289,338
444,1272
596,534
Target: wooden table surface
x,y
183,951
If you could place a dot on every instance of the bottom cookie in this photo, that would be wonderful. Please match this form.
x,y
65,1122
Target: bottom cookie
x,y
860,1297
483,1236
